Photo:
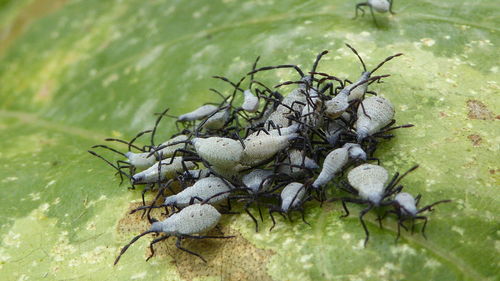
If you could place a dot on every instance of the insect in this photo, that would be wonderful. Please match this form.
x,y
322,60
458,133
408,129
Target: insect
x,y
160,172
406,208
296,164
294,101
292,198
263,147
357,93
224,153
199,113
339,104
332,164
368,183
375,116
211,190
381,6
336,160
193,219
201,190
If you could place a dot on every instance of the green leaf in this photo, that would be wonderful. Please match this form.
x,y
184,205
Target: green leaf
x,y
75,72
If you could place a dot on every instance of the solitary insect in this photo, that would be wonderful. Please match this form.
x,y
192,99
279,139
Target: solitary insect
x,y
193,219
406,209
368,183
381,6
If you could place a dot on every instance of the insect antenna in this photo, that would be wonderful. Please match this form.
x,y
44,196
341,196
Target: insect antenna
x,y
359,57
396,180
136,137
109,148
156,125
125,248
386,60
218,93
278,66
429,207
111,164
253,69
125,142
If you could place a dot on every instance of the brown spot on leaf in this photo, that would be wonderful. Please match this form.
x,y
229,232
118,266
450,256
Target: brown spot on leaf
x,y
475,139
230,259
443,114
478,110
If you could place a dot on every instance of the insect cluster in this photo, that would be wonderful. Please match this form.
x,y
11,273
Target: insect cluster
x,y
265,150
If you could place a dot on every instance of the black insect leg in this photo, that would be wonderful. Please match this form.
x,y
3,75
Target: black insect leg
x,y
359,7
178,245
390,7
254,219
361,215
376,24
425,224
151,248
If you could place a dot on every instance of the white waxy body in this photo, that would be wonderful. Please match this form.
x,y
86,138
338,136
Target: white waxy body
x,y
278,117
369,180
258,180
250,102
191,220
295,158
170,149
407,204
380,113
333,163
381,6
199,113
203,189
140,160
355,151
292,190
358,92
217,121
336,106
150,175
220,152
263,147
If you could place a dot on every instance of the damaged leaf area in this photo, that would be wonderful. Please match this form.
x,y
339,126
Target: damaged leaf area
x,y
75,72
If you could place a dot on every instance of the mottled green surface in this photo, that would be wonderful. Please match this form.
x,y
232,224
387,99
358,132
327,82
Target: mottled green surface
x,y
75,72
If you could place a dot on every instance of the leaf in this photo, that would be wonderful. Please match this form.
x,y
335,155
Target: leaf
x,y
75,72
